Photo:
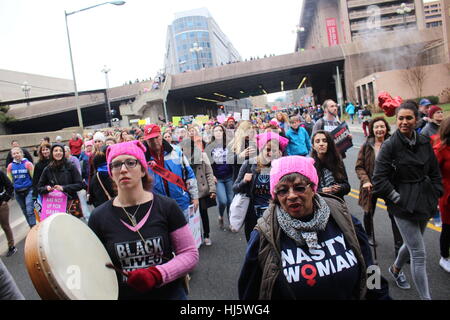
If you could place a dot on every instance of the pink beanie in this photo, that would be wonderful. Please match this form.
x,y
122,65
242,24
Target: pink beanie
x,y
132,148
89,143
291,164
263,138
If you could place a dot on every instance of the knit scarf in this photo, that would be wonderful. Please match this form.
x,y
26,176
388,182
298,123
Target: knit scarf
x,y
305,232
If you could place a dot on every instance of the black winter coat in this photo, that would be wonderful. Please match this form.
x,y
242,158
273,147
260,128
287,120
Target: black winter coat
x,y
66,176
96,194
37,173
411,171
240,186
6,188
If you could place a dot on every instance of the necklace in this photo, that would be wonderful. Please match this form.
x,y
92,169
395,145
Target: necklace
x,y
130,216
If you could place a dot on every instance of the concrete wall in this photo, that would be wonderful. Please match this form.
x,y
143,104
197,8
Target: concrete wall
x,y
437,78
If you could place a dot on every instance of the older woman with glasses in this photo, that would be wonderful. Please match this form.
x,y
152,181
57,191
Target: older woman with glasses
x,y
306,245
142,230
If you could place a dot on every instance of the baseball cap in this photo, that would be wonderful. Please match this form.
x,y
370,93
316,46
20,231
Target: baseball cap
x,y
424,102
151,131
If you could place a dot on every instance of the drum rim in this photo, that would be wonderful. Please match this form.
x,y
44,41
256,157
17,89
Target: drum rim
x,y
54,279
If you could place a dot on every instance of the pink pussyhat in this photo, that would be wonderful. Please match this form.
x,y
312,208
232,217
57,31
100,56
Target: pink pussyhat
x,y
287,165
132,148
263,138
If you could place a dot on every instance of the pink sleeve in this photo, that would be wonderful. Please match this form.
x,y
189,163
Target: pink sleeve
x,y
186,255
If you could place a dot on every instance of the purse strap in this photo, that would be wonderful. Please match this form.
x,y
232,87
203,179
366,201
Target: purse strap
x,y
103,187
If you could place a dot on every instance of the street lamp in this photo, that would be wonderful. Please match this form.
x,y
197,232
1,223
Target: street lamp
x,y
195,48
404,10
26,90
105,70
77,104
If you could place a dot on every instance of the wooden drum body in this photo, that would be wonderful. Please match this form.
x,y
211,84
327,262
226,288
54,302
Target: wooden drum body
x,y
66,260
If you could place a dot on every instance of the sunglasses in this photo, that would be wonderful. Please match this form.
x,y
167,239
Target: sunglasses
x,y
298,189
129,163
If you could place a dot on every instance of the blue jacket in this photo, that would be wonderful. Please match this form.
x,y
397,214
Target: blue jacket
x,y
350,109
176,162
299,142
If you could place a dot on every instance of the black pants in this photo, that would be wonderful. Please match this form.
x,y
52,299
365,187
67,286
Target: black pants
x,y
203,208
444,240
398,240
368,226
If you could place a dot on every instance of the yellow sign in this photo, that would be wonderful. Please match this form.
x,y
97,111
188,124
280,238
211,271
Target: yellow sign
x,y
202,119
142,122
175,120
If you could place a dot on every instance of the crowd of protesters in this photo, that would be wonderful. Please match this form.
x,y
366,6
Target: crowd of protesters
x,y
286,163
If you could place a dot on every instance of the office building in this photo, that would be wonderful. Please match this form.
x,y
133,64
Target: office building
x,y
433,14
195,41
325,23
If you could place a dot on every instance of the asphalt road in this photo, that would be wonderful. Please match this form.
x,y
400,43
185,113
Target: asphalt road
x,y
216,276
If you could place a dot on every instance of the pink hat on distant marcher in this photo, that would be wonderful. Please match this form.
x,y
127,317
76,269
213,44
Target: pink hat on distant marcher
x,y
132,148
263,138
287,165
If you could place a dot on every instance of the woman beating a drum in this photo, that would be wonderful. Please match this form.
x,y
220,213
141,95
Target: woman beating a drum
x,y
141,230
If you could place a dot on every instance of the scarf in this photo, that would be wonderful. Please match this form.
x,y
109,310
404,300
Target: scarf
x,y
305,232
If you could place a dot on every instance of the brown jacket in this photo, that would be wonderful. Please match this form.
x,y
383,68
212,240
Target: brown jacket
x,y
365,166
201,165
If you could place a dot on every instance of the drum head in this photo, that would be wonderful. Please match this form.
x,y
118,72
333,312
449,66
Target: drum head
x,y
74,258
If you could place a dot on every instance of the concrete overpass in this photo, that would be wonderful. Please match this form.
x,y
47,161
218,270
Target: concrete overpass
x,y
199,92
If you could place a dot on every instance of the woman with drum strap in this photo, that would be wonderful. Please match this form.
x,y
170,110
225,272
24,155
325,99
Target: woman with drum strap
x,y
141,230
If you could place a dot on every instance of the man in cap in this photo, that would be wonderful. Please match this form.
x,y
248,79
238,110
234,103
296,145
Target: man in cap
x,y
172,175
424,106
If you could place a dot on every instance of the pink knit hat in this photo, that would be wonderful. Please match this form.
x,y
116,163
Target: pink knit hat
x,y
263,138
89,143
291,164
132,148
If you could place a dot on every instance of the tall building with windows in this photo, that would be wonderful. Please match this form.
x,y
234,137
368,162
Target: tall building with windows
x,y
433,14
324,23
195,41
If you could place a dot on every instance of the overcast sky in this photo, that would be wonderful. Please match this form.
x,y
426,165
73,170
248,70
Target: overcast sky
x,y
129,39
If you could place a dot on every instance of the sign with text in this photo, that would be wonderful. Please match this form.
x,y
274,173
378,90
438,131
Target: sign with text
x,y
245,114
342,138
332,32
195,224
53,202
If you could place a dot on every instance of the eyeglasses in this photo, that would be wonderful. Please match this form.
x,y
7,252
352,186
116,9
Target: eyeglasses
x,y
298,189
129,163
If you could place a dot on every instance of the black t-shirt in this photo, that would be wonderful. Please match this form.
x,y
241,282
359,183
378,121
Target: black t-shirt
x,y
261,193
125,247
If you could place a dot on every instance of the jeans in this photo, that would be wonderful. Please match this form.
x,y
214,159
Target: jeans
x,y
225,194
414,246
26,203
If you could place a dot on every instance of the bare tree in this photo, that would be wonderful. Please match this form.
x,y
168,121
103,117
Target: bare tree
x,y
415,77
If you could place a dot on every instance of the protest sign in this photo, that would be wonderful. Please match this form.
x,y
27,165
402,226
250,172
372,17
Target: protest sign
x,y
53,202
341,136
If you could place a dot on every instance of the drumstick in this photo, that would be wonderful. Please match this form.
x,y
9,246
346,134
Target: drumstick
x,y
111,266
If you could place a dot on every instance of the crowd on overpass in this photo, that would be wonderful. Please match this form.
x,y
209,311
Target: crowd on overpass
x,y
279,175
